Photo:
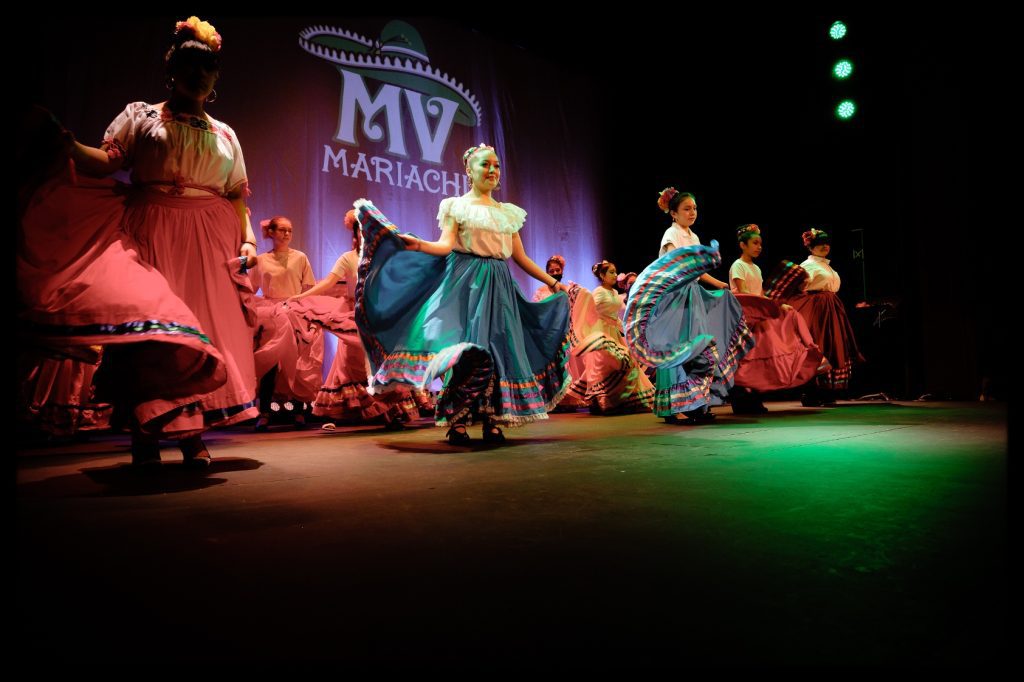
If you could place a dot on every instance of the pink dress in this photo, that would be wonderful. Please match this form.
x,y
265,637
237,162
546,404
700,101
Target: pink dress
x,y
812,288
81,285
582,323
344,396
785,354
58,398
183,169
612,382
283,338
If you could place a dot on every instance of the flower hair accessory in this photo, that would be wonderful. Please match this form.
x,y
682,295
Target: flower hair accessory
x,y
203,31
665,196
468,154
747,231
265,226
814,236
557,259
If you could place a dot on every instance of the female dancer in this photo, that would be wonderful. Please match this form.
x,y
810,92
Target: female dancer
x,y
694,338
785,355
188,220
343,396
289,355
811,289
613,382
450,307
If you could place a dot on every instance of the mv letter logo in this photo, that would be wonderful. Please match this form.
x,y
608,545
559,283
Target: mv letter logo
x,y
398,61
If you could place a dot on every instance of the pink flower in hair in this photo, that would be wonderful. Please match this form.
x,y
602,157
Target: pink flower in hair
x,y
812,235
665,196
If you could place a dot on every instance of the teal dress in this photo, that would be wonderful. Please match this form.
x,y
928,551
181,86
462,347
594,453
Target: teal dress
x,y
461,318
693,337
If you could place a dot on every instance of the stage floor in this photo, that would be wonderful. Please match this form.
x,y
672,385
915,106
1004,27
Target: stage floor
x,y
870,533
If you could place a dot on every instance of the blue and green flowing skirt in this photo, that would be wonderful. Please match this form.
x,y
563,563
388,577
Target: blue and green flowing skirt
x,y
694,338
462,319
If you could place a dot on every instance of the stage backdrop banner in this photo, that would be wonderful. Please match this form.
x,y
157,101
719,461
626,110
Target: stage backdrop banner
x,y
330,110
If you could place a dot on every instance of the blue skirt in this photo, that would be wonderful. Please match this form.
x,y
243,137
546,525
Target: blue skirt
x,y
462,319
694,338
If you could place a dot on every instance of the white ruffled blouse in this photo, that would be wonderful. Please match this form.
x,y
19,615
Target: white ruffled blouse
x,y
483,230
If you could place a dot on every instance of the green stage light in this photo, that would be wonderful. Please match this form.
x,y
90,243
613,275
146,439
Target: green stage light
x,y
842,69
846,109
837,31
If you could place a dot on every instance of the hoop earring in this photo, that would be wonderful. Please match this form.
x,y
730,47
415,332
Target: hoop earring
x,y
212,97
169,83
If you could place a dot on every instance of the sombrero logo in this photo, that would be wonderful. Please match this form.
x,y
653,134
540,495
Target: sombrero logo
x,y
434,101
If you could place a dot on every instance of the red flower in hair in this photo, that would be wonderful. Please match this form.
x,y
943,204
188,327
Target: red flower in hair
x,y
665,197
811,235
